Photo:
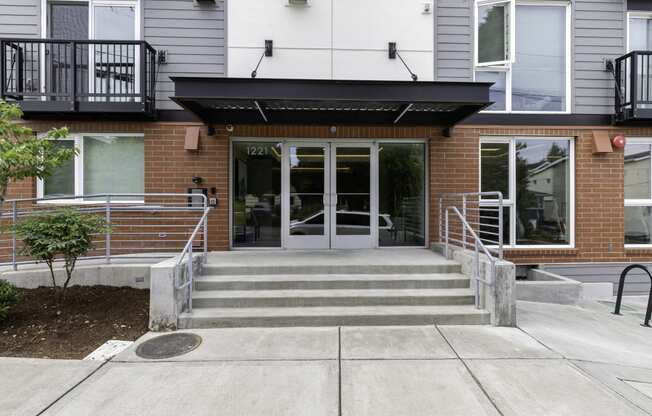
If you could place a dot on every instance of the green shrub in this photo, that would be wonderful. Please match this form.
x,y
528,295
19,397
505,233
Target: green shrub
x,y
64,233
9,296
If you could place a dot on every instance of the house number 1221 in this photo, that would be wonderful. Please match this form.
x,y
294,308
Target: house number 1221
x,y
257,151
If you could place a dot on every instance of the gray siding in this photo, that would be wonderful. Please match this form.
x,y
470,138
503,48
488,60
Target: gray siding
x,y
453,40
638,283
599,33
193,35
20,18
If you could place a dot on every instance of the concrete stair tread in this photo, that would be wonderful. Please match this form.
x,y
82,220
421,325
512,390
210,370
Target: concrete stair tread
x,y
331,293
331,277
334,311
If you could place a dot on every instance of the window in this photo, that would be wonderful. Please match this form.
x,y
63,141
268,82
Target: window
x,y
256,195
535,176
523,48
638,192
494,35
105,164
402,194
639,34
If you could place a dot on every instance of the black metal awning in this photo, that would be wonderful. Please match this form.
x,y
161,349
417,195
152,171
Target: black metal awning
x,y
302,101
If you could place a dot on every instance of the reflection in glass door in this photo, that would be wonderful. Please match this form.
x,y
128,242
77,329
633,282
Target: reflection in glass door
x,y
307,196
353,195
354,219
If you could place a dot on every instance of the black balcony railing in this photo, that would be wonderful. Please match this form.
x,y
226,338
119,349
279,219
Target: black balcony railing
x,y
633,73
46,75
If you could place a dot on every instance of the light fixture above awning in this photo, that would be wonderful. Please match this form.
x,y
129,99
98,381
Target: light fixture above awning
x,y
300,101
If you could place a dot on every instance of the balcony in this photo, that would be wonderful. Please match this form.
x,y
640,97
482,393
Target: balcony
x,y
633,73
46,76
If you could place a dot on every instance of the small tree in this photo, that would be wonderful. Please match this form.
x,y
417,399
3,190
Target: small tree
x,y
22,154
64,232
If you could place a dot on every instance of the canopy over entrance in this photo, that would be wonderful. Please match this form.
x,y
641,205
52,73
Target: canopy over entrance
x,y
303,101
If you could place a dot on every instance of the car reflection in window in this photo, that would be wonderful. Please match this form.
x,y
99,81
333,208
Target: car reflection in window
x,y
348,223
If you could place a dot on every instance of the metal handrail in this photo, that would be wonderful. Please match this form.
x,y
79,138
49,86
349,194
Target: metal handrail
x,y
478,245
185,202
621,286
485,238
485,201
124,70
188,252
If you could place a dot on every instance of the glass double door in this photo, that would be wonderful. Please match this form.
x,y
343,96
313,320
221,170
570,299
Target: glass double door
x,y
330,195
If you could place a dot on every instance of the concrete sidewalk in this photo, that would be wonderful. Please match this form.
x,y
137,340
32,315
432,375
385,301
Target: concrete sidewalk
x,y
563,360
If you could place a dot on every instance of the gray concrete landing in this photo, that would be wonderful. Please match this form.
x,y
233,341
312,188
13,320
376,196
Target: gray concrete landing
x,y
563,361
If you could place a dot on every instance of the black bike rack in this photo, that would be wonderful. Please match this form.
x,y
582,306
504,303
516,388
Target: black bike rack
x,y
621,285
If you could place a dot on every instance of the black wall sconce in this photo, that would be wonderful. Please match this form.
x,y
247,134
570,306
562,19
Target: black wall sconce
x,y
269,52
393,53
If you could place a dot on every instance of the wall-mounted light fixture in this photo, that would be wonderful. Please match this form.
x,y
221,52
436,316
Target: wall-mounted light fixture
x,y
393,53
269,52
298,3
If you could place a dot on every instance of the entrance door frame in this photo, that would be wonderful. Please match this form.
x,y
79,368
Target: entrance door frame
x,y
355,241
377,142
305,241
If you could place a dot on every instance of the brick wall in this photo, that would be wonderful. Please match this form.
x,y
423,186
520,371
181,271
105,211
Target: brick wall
x,y
453,164
599,180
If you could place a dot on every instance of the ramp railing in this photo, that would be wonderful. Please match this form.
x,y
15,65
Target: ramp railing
x,y
141,225
474,221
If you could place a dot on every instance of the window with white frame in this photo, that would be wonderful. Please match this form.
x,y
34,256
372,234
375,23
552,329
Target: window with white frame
x,y
535,176
638,192
639,31
524,48
106,163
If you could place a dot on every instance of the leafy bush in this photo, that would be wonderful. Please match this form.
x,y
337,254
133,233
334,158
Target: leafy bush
x,y
64,233
9,296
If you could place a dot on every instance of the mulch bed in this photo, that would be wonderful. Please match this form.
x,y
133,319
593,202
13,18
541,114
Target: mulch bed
x,y
90,316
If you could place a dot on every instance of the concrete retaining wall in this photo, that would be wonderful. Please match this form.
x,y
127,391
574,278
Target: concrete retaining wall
x,y
547,287
542,286
118,275
166,302
499,298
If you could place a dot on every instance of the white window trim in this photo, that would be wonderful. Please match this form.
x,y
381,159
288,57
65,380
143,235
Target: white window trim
x,y
633,15
639,202
77,138
138,32
512,33
508,69
91,26
510,201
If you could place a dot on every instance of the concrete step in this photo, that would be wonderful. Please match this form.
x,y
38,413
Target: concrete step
x,y
333,297
333,316
438,266
332,281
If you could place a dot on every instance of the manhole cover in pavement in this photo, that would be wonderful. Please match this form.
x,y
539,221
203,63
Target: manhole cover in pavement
x,y
168,346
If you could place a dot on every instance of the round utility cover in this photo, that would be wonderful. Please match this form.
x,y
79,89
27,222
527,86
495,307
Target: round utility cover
x,y
168,346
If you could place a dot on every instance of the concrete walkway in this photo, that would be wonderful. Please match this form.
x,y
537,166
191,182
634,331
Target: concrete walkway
x,y
562,361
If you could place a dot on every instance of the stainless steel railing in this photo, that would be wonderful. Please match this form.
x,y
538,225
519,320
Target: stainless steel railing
x,y
476,224
187,255
142,225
